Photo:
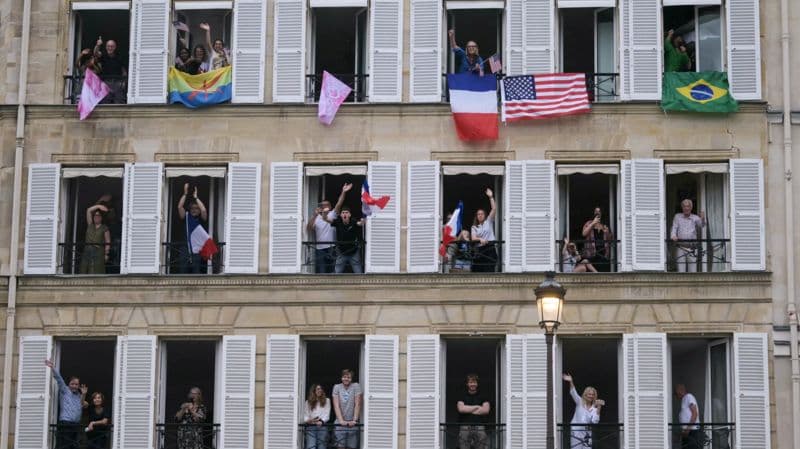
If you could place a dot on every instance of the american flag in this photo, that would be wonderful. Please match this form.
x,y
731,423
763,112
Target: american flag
x,y
495,63
530,97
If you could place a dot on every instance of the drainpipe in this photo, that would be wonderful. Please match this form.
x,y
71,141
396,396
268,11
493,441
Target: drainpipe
x,y
15,217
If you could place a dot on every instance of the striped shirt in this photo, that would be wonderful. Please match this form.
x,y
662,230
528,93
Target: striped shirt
x,y
70,403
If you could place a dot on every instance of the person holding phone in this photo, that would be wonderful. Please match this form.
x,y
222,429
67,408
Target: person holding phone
x,y
587,412
597,245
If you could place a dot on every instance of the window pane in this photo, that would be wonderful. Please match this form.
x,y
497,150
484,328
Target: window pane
x,y
709,29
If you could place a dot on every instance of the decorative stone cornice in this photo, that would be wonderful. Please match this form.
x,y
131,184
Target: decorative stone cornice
x,y
196,158
338,157
92,159
472,157
587,155
697,154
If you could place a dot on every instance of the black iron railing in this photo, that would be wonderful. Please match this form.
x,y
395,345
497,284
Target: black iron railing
x,y
88,258
193,435
595,436
592,256
177,259
330,436
349,255
484,435
69,436
601,87
472,256
703,436
701,255
356,81
118,84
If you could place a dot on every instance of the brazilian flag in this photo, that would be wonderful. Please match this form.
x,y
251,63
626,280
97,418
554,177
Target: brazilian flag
x,y
697,92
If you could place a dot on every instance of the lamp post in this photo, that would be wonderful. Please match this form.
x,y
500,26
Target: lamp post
x,y
550,302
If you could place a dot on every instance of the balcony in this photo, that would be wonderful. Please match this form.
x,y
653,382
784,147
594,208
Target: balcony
x,y
357,82
596,436
601,256
702,255
464,257
74,83
76,436
194,435
707,435
486,436
328,264
329,436
175,259
88,258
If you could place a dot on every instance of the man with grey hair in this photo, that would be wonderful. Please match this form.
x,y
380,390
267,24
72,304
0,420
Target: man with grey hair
x,y
686,230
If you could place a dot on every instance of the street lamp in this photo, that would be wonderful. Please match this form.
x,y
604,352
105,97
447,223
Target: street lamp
x,y
550,302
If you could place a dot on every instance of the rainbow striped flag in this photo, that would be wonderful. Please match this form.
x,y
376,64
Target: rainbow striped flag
x,y
196,91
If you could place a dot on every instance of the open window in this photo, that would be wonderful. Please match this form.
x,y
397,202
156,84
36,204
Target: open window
x,y
338,46
189,35
588,46
472,21
698,28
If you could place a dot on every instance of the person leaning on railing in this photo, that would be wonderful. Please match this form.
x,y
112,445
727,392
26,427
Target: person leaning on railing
x,y
99,420
316,416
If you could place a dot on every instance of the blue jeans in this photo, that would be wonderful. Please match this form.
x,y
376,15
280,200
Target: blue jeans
x,y
323,260
316,437
353,259
190,263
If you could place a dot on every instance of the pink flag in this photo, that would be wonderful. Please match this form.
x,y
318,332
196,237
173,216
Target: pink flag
x,y
94,90
333,94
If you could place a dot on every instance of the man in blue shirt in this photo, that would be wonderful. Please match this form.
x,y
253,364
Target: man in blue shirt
x,y
469,61
71,402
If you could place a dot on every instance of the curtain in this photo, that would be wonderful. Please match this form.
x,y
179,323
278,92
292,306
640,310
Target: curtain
x,y
716,252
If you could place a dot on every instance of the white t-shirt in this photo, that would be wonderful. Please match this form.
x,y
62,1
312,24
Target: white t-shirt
x,y
685,416
319,411
323,231
484,230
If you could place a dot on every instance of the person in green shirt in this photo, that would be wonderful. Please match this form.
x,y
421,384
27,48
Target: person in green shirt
x,y
675,57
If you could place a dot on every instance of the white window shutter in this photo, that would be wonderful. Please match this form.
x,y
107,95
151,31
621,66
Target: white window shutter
x,y
142,220
514,191
134,399
380,392
33,393
426,48
385,51
289,53
383,227
744,51
539,215
423,395
239,389
648,222
285,217
626,235
747,223
424,217
646,393
282,377
147,81
249,34
242,217
41,221
513,60
538,37
526,391
751,390
641,49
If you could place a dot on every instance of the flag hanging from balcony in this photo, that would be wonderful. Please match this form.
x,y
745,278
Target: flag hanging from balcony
x,y
92,93
204,89
451,229
199,241
697,92
473,100
529,97
332,95
370,204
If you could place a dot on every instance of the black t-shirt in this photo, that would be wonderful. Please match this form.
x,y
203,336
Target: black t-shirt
x,y
350,232
111,65
104,414
473,399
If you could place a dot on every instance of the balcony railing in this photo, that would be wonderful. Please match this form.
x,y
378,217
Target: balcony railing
x,y
329,436
602,255
356,81
176,260
69,436
194,436
88,258
705,436
463,257
595,436
702,255
73,84
325,260
602,87
485,436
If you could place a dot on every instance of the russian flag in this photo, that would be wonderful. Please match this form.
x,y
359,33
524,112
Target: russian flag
x,y
199,240
370,204
473,100
451,229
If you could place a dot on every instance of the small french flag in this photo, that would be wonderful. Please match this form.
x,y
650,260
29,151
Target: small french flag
x,y
199,240
451,229
370,204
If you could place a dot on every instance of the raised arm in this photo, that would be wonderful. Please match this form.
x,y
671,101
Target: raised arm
x,y
340,202
572,391
203,211
90,212
451,35
56,375
207,28
492,204
98,47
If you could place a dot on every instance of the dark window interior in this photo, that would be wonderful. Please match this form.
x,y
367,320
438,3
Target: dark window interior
x,y
190,363
108,24
329,187
340,47
484,26
471,189
325,360
585,193
578,39
93,362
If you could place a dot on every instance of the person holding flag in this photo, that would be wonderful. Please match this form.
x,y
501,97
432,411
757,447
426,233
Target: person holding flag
x,y
200,247
469,61
370,204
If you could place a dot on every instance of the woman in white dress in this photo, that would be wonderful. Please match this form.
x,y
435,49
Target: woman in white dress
x,y
587,411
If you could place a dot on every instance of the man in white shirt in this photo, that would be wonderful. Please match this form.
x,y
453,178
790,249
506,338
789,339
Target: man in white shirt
x,y
687,226
319,225
689,417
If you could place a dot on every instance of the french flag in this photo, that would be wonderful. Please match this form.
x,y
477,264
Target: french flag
x,y
451,229
473,100
370,204
199,240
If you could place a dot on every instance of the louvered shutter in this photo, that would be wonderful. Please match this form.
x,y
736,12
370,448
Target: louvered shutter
x,y
751,390
646,393
281,407
744,51
289,60
380,392
142,220
747,223
134,399
514,63
538,215
242,217
383,227
41,221
422,400
426,47
526,391
641,49
33,393
147,81
285,217
386,56
647,201
626,237
238,384
424,217
514,190
538,37
249,31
